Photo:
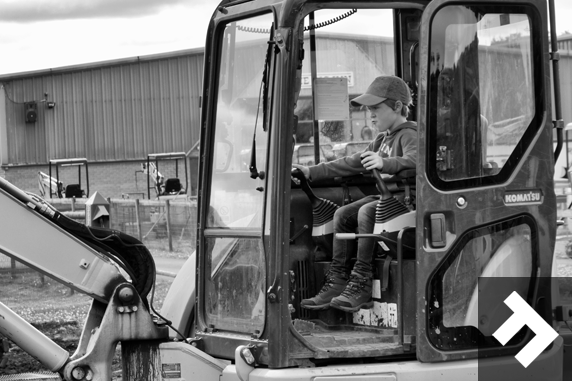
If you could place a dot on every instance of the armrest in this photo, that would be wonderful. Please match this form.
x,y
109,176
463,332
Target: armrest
x,y
407,175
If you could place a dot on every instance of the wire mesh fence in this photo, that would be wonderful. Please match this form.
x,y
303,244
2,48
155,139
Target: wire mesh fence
x,y
154,220
168,225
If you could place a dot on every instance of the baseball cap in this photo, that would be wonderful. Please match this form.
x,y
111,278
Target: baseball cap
x,y
382,88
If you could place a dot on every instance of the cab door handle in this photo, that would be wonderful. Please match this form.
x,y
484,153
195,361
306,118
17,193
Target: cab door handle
x,y
438,230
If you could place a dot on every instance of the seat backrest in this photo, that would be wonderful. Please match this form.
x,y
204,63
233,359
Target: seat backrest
x,y
73,190
172,185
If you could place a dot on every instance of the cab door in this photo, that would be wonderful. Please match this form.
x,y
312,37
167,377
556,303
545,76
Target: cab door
x,y
486,204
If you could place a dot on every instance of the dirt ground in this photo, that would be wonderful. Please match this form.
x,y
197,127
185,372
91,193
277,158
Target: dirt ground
x,y
55,312
59,313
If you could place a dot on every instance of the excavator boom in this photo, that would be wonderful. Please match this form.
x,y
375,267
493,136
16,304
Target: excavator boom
x,y
35,240
107,265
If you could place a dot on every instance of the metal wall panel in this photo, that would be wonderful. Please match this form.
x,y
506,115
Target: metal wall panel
x,y
565,50
120,110
565,43
125,109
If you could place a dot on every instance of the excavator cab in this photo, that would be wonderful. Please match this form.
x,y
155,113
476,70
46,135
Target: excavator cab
x,y
464,238
483,193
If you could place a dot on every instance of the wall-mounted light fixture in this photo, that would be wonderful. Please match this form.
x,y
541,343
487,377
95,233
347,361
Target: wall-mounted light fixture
x,y
49,104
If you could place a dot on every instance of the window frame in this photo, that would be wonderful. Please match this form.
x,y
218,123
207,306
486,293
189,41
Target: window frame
x,y
475,339
513,162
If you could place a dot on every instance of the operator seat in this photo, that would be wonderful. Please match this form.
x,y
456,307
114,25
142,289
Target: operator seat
x,y
74,190
172,185
396,211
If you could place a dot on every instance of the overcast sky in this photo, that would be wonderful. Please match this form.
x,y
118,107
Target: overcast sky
x,y
43,34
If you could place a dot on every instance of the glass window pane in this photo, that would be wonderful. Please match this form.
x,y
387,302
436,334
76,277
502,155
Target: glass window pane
x,y
235,268
488,264
236,199
482,89
234,296
356,49
482,257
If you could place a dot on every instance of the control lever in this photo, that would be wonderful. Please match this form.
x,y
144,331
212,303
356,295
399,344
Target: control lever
x,y
314,200
388,206
322,214
381,186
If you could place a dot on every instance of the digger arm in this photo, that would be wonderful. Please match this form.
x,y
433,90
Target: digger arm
x,y
34,233
150,169
47,184
33,239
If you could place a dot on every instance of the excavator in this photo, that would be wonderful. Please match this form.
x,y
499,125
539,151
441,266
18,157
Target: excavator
x,y
474,230
170,188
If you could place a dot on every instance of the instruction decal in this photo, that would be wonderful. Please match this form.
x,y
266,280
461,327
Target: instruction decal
x,y
171,370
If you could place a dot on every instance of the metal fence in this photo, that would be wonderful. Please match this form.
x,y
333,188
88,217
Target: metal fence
x,y
147,220
168,225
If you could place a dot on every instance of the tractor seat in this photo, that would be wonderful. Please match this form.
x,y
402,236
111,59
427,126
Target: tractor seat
x,y
172,185
74,190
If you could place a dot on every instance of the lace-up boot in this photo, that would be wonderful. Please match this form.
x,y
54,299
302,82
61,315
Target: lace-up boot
x,y
334,284
356,295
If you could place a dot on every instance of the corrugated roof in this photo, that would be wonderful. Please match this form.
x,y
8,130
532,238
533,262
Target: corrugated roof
x,y
99,64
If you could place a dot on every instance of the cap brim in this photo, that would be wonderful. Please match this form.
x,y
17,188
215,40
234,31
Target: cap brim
x,y
366,100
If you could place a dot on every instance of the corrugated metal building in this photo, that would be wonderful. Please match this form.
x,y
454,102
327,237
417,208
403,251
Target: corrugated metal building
x,y
114,113
565,49
566,85
565,42
110,111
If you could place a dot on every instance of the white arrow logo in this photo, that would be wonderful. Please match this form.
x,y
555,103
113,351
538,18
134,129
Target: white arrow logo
x,y
525,315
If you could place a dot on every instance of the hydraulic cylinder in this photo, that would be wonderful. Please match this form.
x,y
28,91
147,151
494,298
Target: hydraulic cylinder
x,y
30,340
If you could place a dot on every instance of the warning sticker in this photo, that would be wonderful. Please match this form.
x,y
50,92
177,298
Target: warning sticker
x,y
171,370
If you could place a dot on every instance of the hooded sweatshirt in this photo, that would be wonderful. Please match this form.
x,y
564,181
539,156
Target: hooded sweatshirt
x,y
398,149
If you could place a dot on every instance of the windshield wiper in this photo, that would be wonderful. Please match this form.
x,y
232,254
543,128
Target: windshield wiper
x,y
262,94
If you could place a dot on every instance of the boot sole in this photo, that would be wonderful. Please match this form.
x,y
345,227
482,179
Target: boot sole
x,y
317,307
365,306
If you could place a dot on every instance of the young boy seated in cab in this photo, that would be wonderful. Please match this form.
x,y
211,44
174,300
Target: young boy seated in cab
x,y
394,149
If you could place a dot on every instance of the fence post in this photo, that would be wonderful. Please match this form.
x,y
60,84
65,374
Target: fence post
x,y
12,268
70,290
137,220
111,212
168,209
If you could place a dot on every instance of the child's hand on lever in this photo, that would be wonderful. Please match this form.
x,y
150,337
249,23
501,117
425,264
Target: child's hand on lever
x,y
371,160
305,171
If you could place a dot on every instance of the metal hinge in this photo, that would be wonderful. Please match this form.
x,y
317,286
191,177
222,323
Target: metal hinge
x,y
558,123
555,56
